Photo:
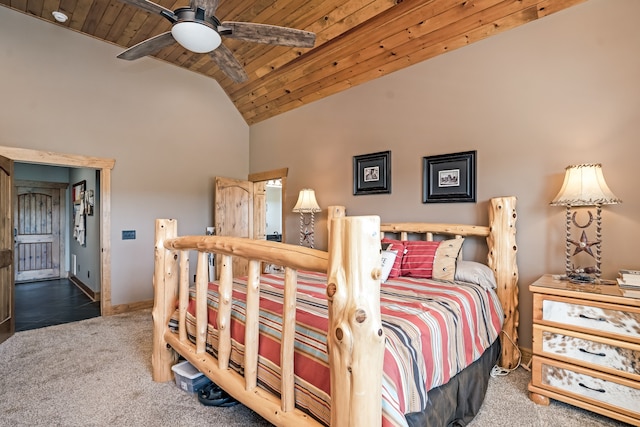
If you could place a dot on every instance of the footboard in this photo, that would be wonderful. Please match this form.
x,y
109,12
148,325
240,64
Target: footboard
x,y
355,339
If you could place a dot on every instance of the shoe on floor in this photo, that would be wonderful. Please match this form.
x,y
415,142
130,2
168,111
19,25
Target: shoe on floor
x,y
213,395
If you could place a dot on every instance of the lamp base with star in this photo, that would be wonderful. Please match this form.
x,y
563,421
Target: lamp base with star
x,y
589,274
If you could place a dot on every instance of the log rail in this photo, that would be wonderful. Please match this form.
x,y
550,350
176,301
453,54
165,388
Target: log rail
x,y
354,317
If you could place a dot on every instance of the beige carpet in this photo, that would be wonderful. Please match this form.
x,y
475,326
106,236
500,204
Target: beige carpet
x,y
97,372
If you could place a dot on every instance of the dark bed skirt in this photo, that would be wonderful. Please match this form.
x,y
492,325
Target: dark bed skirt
x,y
458,401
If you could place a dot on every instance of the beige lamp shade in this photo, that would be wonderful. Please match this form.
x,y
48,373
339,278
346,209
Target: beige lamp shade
x,y
584,185
307,202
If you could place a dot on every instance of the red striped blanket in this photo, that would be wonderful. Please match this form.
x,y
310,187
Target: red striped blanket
x,y
433,330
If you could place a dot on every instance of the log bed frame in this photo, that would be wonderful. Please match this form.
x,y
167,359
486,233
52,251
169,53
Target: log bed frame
x,y
355,339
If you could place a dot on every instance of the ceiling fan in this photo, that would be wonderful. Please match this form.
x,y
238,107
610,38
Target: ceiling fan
x,y
197,29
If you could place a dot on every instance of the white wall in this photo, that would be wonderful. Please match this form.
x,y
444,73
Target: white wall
x,y
558,91
170,132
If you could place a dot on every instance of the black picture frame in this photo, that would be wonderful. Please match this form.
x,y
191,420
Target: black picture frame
x,y
77,191
449,178
372,173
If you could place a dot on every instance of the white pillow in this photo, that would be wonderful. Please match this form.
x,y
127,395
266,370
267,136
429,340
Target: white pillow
x,y
444,263
388,257
475,272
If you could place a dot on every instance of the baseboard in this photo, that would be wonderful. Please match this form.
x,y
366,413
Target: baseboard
x,y
527,354
95,296
126,308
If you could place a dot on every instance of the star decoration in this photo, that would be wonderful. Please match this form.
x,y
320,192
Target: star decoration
x,y
584,245
306,235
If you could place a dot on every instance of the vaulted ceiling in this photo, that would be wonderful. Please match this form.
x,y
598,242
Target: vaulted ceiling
x,y
356,40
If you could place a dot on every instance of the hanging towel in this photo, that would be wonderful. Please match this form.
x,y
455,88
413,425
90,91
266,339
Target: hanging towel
x,y
78,224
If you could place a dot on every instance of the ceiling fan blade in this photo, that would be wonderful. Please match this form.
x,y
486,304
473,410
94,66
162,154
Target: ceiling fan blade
x,y
148,46
149,6
229,64
269,34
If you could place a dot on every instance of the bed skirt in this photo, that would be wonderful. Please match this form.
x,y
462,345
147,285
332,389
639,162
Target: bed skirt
x,y
458,401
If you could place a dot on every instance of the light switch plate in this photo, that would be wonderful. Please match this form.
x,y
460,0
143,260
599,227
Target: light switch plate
x,y
128,234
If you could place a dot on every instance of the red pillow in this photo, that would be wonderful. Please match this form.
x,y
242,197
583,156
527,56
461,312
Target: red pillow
x,y
418,258
396,245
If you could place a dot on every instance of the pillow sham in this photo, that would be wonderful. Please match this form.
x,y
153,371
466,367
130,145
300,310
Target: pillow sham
x,y
388,258
417,260
398,246
475,272
444,264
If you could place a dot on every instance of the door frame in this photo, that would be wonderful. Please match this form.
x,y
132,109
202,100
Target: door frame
x,y
7,320
104,165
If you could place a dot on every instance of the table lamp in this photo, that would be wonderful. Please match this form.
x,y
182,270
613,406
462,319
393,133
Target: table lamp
x,y
584,185
306,204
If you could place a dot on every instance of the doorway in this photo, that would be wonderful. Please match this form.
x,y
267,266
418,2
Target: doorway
x,y
240,210
273,210
44,294
104,167
271,187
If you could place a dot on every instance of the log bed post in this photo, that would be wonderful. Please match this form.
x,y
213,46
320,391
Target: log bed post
x,y
502,260
165,283
355,338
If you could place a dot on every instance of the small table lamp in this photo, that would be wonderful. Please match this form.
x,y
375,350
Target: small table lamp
x,y
306,204
584,185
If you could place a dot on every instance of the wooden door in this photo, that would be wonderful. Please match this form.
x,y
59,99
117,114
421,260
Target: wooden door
x,y
233,215
37,222
7,321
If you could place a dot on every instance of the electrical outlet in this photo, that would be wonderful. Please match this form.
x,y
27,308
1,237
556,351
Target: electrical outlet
x,y
128,234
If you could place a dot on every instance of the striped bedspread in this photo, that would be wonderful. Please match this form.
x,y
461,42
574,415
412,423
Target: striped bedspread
x,y
433,330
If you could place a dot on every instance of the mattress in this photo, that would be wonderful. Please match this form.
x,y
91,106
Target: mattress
x,y
433,330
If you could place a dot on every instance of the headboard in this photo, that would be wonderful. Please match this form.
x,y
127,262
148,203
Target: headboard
x,y
500,238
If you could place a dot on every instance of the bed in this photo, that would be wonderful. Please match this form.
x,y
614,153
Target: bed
x,y
244,333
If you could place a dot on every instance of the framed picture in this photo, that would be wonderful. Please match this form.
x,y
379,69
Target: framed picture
x,y
89,200
77,191
372,173
449,178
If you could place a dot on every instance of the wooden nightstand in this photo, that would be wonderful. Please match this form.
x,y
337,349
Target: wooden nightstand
x,y
586,348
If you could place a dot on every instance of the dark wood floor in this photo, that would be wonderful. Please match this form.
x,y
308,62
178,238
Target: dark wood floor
x,y
51,302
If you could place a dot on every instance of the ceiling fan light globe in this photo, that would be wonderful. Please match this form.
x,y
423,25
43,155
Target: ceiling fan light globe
x,y
196,37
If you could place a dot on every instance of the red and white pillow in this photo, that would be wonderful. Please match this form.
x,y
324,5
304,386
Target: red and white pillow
x,y
418,258
424,259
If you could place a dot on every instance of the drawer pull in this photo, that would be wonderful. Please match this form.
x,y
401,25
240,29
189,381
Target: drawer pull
x,y
599,390
599,319
591,352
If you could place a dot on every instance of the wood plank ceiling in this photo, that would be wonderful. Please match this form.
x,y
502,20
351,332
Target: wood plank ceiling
x,y
356,40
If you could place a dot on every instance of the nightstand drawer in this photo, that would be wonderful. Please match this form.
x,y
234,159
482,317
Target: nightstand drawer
x,y
610,392
604,354
609,320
